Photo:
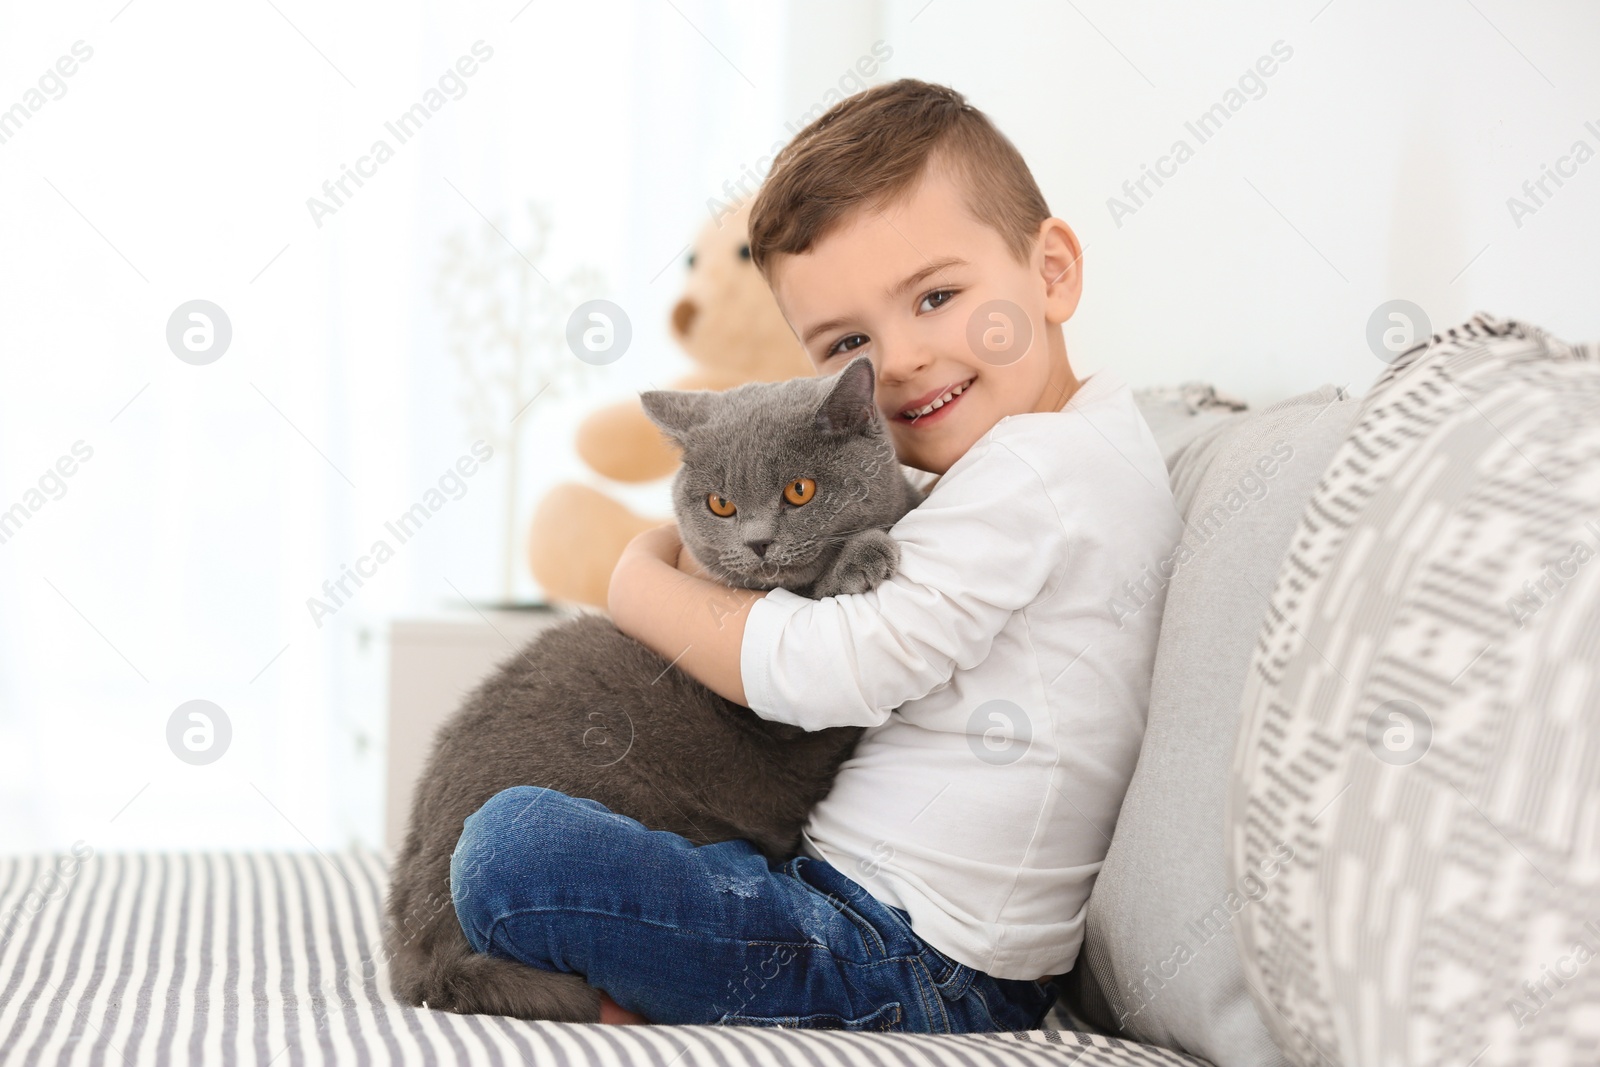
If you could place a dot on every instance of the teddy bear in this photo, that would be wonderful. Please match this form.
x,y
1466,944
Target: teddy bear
x,y
729,325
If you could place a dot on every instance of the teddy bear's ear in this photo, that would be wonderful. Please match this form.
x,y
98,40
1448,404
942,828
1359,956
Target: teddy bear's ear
x,y
849,407
675,411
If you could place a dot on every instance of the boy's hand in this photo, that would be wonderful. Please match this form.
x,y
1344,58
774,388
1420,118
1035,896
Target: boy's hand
x,y
689,565
659,542
666,544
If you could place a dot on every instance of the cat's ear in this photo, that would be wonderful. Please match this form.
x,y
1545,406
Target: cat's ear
x,y
849,407
676,411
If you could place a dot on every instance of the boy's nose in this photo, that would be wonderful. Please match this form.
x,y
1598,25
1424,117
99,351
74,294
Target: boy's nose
x,y
900,361
759,547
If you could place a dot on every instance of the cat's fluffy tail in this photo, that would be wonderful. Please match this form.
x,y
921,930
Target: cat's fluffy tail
x,y
452,977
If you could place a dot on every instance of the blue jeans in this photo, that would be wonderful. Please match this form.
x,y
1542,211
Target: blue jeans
x,y
683,933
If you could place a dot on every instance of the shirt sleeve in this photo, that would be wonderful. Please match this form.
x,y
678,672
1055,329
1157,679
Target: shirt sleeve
x,y
983,545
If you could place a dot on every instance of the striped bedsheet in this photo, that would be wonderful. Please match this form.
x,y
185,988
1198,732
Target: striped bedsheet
x,y
274,958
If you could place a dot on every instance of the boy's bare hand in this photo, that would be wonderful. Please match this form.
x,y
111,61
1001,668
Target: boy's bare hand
x,y
659,542
666,544
689,565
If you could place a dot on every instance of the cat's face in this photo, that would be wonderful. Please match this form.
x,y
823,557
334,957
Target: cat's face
x,y
776,473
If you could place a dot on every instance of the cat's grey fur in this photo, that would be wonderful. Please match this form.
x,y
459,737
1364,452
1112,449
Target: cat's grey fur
x,y
591,712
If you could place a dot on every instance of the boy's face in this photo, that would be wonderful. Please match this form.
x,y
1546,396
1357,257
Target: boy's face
x,y
901,285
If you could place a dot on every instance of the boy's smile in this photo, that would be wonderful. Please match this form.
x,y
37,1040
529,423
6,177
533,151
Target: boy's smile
x,y
930,294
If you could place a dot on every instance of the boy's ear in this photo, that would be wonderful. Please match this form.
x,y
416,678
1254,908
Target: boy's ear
x,y
849,407
677,411
1062,269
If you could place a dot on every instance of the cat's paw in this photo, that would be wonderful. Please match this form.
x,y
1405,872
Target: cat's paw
x,y
865,560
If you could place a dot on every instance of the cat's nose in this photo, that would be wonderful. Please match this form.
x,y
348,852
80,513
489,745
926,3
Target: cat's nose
x,y
759,547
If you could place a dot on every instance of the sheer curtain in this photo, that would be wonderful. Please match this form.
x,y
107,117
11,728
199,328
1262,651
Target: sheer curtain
x,y
217,537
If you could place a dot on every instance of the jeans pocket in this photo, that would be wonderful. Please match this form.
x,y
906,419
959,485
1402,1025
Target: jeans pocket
x,y
890,1017
849,900
950,977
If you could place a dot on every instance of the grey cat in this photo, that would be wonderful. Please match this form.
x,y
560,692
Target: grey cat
x,y
591,712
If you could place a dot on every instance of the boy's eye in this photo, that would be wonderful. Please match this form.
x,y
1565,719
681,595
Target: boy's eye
x,y
939,298
846,344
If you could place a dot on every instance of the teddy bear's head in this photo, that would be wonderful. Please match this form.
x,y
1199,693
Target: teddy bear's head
x,y
727,320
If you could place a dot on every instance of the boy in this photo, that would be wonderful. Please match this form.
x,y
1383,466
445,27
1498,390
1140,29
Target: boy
x,y
942,884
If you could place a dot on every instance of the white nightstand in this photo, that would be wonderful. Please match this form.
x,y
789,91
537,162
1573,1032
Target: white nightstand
x,y
434,662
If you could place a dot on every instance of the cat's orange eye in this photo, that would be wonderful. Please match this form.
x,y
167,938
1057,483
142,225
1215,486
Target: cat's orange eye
x,y
800,490
720,505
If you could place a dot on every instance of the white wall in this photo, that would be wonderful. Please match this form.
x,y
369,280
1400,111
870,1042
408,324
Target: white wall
x,y
1390,140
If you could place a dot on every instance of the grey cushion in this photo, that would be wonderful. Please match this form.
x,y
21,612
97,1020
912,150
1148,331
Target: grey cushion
x,y
1179,414
1159,963
1419,723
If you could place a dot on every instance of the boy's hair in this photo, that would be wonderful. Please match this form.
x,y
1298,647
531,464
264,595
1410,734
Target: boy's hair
x,y
872,147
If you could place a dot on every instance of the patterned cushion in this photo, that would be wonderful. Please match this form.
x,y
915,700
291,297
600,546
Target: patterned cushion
x,y
1417,775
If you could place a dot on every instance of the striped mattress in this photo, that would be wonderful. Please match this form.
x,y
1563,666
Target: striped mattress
x,y
274,958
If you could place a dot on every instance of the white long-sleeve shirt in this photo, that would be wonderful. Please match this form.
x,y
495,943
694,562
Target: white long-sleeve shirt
x,y
1004,675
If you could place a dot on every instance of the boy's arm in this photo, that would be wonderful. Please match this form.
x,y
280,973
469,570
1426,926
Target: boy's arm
x,y
970,556
984,546
678,613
